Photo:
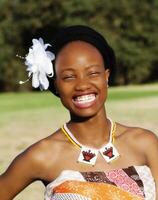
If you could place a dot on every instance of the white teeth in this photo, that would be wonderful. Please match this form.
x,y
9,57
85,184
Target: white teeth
x,y
85,98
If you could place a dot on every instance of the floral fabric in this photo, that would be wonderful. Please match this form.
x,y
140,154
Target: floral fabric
x,y
130,183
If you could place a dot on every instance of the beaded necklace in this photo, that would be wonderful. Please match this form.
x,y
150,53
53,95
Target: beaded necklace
x,y
89,155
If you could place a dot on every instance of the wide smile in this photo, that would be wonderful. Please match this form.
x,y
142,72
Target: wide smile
x,y
84,101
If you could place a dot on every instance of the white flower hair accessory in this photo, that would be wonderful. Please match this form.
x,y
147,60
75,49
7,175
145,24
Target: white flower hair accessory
x,y
39,65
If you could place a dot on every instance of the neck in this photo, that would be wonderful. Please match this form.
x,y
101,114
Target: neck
x,y
93,131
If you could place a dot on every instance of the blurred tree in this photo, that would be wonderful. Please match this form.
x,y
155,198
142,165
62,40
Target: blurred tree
x,y
130,27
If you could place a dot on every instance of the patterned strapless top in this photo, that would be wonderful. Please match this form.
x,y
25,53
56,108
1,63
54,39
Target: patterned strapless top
x,y
132,183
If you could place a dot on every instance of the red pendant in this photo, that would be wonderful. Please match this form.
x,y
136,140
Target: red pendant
x,y
109,152
88,155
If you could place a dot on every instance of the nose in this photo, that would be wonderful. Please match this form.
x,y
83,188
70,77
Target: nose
x,y
82,84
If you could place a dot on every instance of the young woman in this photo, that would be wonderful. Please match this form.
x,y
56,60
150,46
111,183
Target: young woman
x,y
90,157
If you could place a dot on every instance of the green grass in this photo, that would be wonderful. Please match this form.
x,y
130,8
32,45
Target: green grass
x,y
30,100
30,105
10,102
133,92
27,117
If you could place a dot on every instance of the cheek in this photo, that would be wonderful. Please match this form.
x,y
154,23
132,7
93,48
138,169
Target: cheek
x,y
104,93
103,90
64,89
63,93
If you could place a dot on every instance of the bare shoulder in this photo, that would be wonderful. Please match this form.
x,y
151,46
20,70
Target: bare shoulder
x,y
140,138
137,133
32,164
37,158
45,150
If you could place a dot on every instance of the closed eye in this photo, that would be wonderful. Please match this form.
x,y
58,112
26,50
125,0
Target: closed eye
x,y
68,77
94,73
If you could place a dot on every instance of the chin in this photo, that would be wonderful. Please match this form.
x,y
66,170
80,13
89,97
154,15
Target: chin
x,y
80,117
85,114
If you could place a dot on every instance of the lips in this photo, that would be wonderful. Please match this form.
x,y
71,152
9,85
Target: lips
x,y
84,101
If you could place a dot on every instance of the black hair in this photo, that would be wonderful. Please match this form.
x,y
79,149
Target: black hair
x,y
87,34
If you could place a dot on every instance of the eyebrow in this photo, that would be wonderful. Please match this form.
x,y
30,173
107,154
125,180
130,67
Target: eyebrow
x,y
72,69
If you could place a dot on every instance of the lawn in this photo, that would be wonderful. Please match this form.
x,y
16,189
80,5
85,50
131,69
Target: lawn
x,y
28,117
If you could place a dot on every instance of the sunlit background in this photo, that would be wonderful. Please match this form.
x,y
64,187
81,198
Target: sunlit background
x,y
26,115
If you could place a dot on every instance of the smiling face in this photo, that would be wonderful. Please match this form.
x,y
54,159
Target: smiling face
x,y
81,79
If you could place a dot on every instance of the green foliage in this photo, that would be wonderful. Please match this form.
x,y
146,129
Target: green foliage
x,y
130,27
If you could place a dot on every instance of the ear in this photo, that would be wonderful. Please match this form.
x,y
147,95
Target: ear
x,y
107,74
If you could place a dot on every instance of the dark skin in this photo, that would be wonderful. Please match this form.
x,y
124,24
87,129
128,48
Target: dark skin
x,y
80,71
